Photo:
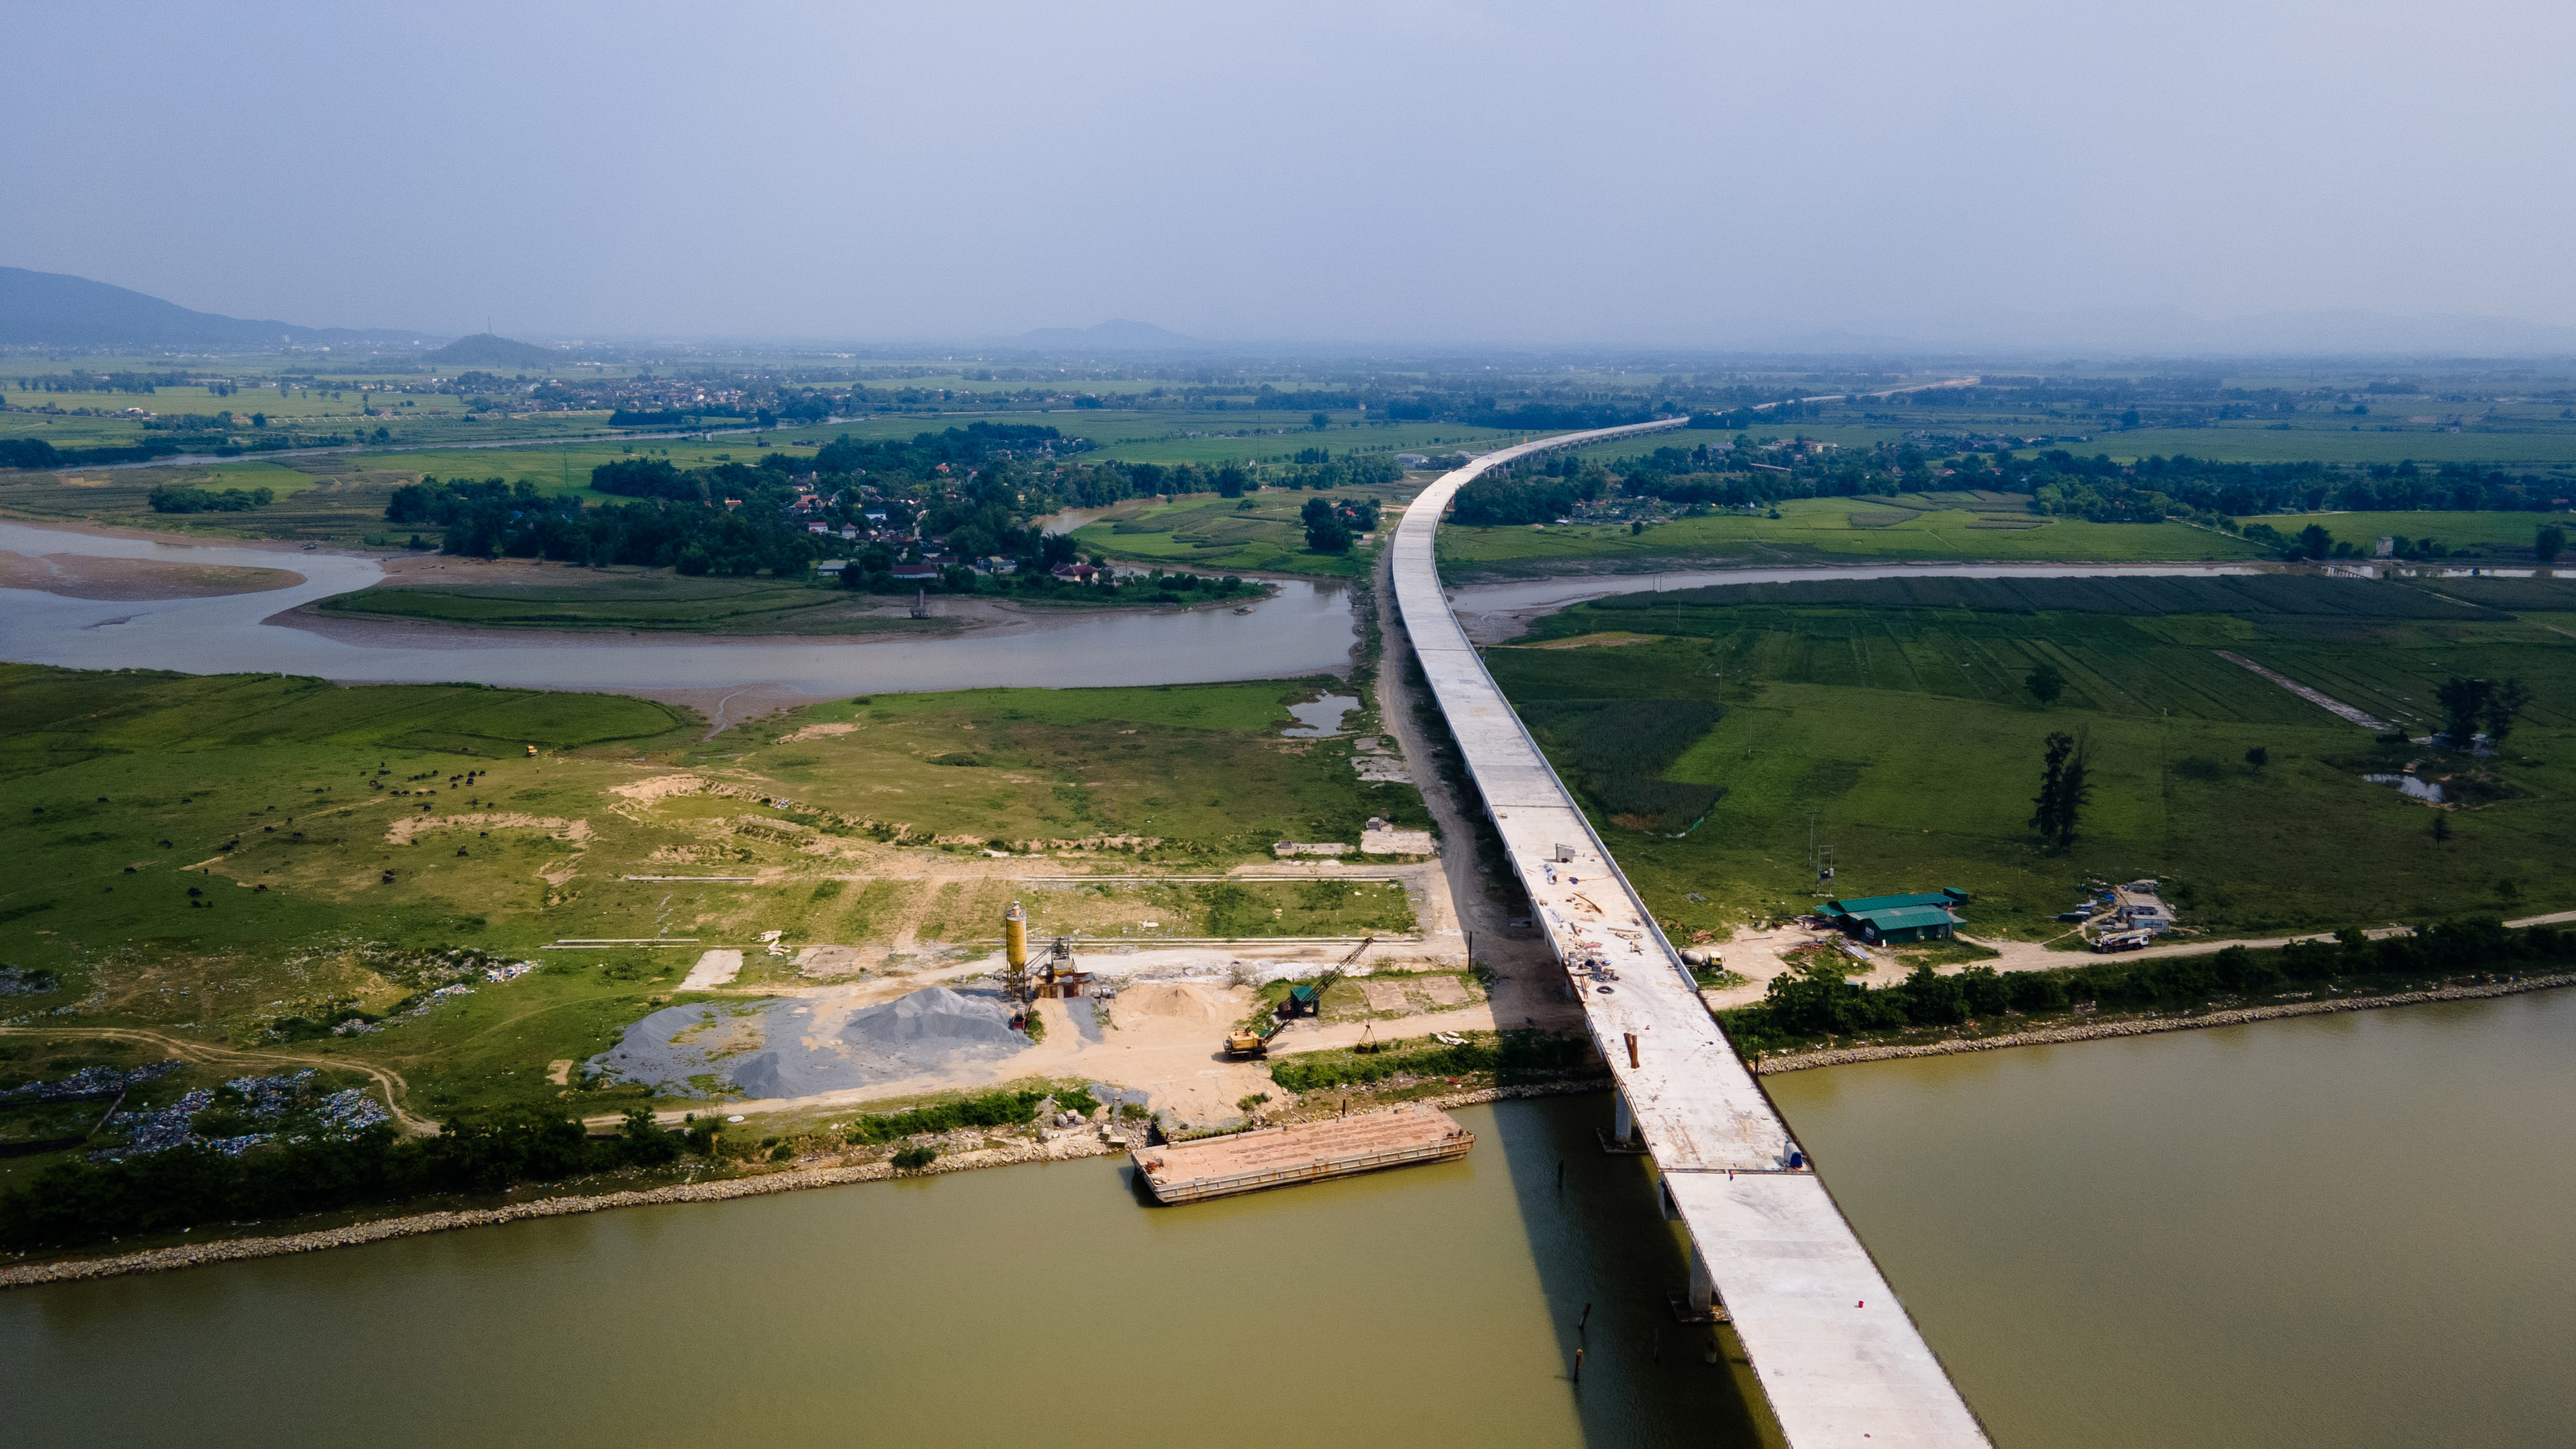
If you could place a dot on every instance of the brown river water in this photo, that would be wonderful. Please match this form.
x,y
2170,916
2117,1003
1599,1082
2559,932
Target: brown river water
x,y
2339,1230
2325,1231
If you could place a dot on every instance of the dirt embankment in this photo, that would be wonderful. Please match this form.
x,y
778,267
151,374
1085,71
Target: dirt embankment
x,y
74,576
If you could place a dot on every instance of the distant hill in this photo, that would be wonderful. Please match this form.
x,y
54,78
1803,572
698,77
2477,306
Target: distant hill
x,y
2166,332
49,309
484,349
1116,335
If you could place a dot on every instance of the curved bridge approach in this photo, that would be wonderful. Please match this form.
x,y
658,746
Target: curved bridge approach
x,y
1838,1356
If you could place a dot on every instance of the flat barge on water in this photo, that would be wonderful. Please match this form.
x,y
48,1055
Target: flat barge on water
x,y
1304,1152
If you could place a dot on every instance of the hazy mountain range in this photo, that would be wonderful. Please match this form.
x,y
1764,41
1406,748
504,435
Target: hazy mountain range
x,y
50,309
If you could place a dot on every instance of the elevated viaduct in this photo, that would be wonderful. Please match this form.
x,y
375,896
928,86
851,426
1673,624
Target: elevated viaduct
x,y
1837,1355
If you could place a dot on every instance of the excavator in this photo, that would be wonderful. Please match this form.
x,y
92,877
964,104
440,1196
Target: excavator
x,y
1248,1043
1304,999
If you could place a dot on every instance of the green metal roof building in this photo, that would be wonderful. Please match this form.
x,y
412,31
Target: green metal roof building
x,y
1878,919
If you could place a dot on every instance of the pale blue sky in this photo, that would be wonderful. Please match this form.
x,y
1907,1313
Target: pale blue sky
x,y
1380,171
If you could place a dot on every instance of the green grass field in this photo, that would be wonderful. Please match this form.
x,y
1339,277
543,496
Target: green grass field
x,y
1898,712
1811,530
642,600
285,803
2480,534
1259,533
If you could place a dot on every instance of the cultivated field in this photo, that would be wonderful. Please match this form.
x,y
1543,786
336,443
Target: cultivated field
x,y
2493,535
1899,712
1258,533
1813,530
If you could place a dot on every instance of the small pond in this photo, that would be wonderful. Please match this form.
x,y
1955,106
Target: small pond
x,y
2424,790
1318,718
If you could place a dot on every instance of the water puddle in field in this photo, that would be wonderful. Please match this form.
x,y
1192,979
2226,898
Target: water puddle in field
x,y
1317,718
2424,790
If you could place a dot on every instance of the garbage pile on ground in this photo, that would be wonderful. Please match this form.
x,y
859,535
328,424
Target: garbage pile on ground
x,y
511,972
23,981
156,1129
89,1082
282,1108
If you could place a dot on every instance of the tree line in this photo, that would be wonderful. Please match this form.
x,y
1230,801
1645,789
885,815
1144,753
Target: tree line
x,y
1751,472
1816,1001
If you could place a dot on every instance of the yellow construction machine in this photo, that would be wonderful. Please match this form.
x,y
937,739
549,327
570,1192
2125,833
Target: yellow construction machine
x,y
1249,1043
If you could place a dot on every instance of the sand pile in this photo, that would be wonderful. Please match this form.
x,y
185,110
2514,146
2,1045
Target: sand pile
x,y
1180,1003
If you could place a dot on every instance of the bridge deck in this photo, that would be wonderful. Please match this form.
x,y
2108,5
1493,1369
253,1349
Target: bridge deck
x,y
1837,1355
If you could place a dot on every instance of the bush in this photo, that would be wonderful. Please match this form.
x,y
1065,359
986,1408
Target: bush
x,y
174,498
992,1109
914,1158
1513,1053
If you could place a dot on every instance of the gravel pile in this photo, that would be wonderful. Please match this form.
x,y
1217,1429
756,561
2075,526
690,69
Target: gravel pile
x,y
778,1049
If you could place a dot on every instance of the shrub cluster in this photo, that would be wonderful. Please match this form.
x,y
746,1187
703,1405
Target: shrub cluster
x,y
991,1109
1511,1054
174,498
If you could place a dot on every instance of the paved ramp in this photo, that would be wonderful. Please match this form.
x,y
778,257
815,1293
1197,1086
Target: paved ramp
x,y
1837,1355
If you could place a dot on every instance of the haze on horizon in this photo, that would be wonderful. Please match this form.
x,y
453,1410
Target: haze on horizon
x,y
1709,175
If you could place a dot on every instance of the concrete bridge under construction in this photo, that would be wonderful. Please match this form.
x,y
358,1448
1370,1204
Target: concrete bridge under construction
x,y
1837,1355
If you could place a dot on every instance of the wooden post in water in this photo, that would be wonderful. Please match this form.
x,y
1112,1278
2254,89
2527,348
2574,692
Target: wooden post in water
x,y
1578,1368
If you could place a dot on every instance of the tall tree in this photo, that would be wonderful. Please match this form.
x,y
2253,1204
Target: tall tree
x,y
2504,703
2074,789
2051,799
2045,683
2465,703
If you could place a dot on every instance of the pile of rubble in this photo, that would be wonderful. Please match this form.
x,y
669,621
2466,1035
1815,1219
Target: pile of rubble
x,y
89,1082
21,981
285,1107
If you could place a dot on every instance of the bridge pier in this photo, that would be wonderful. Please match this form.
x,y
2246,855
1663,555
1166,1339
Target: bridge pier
x,y
1622,1137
